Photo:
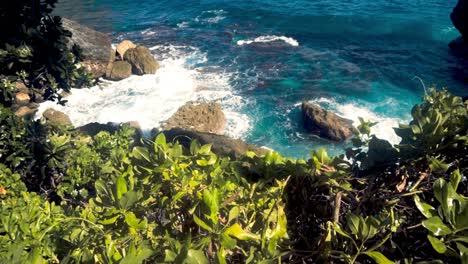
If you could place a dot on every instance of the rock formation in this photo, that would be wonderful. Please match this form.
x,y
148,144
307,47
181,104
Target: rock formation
x,y
96,47
202,117
459,18
325,123
142,61
120,70
221,145
56,117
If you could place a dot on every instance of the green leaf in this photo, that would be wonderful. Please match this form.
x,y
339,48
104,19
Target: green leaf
x,y
427,210
378,257
238,232
437,244
228,242
141,153
121,187
134,222
455,178
352,222
438,167
463,253
340,231
196,257
161,142
210,198
436,226
109,221
128,200
233,213
205,149
202,224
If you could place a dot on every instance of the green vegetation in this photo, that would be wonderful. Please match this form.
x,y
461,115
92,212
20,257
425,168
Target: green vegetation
x,y
114,198
71,198
34,49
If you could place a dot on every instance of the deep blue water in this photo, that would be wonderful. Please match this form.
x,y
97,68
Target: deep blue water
x,y
357,57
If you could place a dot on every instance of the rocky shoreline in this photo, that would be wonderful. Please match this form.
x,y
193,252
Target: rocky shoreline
x,y
204,121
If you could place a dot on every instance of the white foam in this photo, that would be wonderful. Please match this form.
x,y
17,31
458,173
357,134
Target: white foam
x,y
266,39
384,128
211,16
152,99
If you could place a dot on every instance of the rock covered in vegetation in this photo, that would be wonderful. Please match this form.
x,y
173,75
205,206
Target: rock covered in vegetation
x,y
56,117
96,47
94,128
202,117
459,18
221,145
142,60
120,70
325,123
123,47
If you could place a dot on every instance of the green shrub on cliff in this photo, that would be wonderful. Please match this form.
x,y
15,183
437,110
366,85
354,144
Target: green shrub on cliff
x,y
71,198
33,48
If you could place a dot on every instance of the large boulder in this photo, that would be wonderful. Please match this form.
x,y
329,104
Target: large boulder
x,y
325,123
120,70
22,98
96,47
459,18
221,145
142,60
123,47
25,112
56,117
202,117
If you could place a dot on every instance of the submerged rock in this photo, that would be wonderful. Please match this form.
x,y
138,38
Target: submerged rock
x,y
202,117
56,117
96,47
325,123
459,18
221,145
120,70
123,47
142,60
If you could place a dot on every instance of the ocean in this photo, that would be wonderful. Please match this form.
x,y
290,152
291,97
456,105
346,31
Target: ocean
x,y
261,58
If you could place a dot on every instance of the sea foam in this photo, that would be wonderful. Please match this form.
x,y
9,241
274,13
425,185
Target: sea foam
x,y
266,39
152,99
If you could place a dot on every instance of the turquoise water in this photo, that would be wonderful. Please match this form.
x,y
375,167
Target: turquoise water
x,y
261,58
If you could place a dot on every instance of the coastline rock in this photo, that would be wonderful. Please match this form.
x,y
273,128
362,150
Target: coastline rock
x,y
142,60
22,98
56,117
221,145
459,47
25,112
202,117
123,47
94,128
120,70
96,47
325,123
459,17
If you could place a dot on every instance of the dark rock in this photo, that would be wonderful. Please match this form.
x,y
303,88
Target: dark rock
x,y
459,18
92,129
325,123
120,70
96,47
459,47
221,145
142,61
202,117
56,117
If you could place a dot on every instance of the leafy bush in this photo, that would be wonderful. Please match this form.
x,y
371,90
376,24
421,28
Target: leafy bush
x,y
33,49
